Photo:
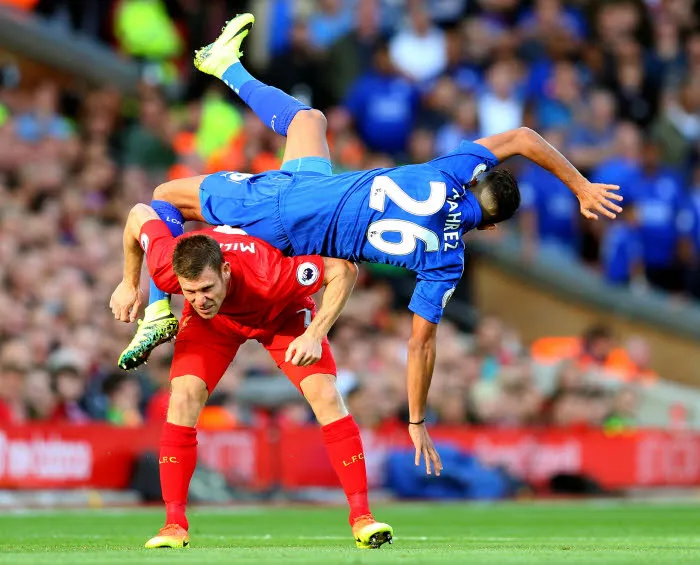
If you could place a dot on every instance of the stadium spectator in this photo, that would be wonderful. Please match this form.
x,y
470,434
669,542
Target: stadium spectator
x,y
12,407
42,121
383,105
500,106
490,347
157,406
298,68
632,363
123,398
677,126
419,49
623,411
68,383
462,125
622,257
351,54
658,200
592,134
690,227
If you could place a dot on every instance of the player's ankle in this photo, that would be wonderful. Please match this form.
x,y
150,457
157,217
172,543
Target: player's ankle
x,y
356,514
157,309
175,514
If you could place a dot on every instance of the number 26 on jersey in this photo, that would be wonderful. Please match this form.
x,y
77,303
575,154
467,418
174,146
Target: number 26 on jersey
x,y
382,188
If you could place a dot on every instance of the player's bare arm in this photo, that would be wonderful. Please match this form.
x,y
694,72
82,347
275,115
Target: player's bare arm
x,y
126,298
593,198
339,280
421,360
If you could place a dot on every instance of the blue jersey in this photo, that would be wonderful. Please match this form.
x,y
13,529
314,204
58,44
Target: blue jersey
x,y
621,251
412,216
555,205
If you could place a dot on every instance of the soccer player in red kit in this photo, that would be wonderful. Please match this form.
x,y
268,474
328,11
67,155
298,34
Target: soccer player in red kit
x,y
237,288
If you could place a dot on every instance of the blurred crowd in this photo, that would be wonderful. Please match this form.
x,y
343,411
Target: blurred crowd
x,y
615,85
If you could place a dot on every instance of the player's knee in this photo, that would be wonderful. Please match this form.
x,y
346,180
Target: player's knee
x,y
311,120
164,192
187,398
324,398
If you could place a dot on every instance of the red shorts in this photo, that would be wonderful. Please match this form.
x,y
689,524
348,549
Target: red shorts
x,y
205,348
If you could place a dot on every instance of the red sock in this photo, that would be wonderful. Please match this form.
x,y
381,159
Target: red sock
x,y
178,458
344,447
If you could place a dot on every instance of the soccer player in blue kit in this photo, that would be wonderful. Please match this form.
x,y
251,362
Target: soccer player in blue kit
x,y
412,216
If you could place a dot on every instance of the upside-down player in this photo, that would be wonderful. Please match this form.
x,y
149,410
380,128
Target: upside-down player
x,y
412,216
238,288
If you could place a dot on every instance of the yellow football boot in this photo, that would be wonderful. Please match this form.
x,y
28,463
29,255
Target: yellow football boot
x,y
216,57
370,534
171,535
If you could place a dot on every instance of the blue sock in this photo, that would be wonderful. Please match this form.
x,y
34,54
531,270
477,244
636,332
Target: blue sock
x,y
275,108
176,224
236,76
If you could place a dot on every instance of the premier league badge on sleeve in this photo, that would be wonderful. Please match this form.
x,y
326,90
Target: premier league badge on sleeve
x,y
307,274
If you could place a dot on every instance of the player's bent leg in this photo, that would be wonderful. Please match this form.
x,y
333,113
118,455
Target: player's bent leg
x,y
341,436
184,195
324,398
178,458
306,137
304,127
188,395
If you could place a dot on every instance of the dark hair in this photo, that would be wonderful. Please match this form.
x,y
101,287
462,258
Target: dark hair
x,y
193,254
114,381
595,333
499,196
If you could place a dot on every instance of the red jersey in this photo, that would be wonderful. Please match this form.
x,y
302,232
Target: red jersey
x,y
264,283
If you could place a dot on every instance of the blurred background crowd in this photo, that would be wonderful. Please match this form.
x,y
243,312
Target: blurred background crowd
x,y
614,84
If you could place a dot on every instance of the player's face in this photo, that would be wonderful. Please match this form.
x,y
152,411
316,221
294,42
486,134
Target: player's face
x,y
207,292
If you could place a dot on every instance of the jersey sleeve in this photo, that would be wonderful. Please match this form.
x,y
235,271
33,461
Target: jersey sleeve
x,y
284,280
158,244
466,162
433,291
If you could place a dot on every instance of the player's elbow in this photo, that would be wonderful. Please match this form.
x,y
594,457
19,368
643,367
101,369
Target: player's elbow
x,y
140,210
140,214
525,137
342,270
350,271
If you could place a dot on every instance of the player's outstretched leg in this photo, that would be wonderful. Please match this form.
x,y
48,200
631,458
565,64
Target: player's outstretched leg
x,y
159,324
178,458
275,108
304,127
344,446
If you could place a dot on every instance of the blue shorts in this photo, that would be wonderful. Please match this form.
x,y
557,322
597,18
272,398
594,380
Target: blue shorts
x,y
251,202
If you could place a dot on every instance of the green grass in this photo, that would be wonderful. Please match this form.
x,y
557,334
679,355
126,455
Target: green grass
x,y
498,534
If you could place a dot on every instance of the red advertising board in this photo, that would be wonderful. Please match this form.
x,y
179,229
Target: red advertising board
x,y
634,459
102,456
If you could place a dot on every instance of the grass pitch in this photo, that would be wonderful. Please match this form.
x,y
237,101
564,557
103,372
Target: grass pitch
x,y
498,534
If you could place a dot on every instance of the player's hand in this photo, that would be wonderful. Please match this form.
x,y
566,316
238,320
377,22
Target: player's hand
x,y
597,198
125,302
304,350
424,447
